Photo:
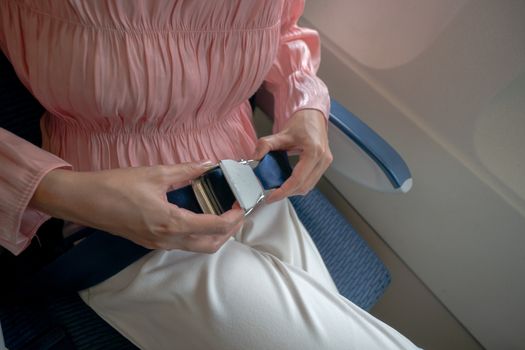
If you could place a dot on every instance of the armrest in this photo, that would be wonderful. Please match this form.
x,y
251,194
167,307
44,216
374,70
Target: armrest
x,y
360,154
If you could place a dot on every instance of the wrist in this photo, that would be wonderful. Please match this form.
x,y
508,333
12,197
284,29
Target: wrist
x,y
50,195
307,119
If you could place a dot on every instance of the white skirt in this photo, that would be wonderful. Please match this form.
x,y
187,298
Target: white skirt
x,y
267,288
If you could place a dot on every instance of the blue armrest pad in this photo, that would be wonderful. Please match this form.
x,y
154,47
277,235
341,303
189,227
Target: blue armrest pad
x,y
390,162
379,154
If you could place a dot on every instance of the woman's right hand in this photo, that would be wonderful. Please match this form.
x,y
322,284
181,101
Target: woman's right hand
x,y
132,203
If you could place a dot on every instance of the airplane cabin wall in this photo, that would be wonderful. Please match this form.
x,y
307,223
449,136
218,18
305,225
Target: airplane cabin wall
x,y
444,82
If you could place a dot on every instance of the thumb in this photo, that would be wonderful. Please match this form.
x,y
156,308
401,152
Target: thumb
x,y
181,174
271,143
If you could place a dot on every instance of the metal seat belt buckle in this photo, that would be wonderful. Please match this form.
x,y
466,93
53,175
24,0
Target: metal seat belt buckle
x,y
242,181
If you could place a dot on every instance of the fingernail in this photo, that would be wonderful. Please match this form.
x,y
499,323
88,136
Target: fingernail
x,y
207,164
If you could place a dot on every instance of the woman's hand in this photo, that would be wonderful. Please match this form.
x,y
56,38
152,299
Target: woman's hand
x,y
305,132
131,203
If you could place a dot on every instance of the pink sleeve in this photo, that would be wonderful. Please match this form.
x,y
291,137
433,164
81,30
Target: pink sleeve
x,y
23,166
292,78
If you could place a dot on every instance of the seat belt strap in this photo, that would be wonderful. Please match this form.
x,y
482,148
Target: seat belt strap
x,y
101,255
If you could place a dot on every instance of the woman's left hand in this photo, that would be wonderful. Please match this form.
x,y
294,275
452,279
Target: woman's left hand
x,y
305,132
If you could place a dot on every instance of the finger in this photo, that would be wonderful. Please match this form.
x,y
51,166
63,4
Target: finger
x,y
225,236
207,224
180,174
201,244
266,144
300,175
313,179
319,171
321,160
321,163
208,244
288,188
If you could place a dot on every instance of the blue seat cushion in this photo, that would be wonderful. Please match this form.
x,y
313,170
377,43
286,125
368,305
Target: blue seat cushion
x,y
357,271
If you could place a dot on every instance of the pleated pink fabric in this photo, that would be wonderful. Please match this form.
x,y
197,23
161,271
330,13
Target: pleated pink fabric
x,y
146,82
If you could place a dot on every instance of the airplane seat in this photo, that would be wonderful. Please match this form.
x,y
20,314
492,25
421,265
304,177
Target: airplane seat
x,y
66,322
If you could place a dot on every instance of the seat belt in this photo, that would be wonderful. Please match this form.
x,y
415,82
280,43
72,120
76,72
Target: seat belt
x,y
101,255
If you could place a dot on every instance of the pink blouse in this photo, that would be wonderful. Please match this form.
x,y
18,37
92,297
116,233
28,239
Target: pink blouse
x,y
146,82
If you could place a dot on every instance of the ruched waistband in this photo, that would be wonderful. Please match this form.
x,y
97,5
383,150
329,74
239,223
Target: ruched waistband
x,y
93,145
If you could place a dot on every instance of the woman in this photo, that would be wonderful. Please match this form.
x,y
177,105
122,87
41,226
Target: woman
x,y
141,98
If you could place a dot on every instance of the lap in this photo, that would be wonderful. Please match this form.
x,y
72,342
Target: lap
x,y
267,288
